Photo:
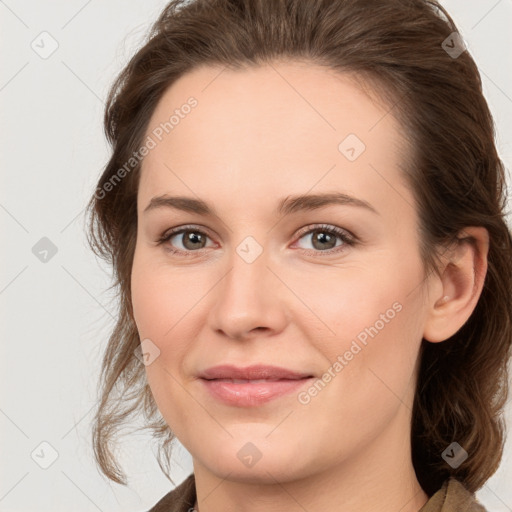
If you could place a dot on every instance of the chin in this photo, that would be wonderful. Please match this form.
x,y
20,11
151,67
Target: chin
x,y
256,461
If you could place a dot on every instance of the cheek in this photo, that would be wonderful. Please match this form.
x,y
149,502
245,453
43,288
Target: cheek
x,y
157,311
347,304
146,301
370,322
165,307
154,298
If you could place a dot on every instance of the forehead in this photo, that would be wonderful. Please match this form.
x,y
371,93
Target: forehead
x,y
278,128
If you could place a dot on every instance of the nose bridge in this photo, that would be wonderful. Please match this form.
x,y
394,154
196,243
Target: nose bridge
x,y
247,298
247,281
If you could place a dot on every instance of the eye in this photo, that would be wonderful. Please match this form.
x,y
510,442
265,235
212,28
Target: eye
x,y
191,239
324,237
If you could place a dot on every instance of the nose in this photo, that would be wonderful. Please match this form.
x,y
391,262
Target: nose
x,y
250,300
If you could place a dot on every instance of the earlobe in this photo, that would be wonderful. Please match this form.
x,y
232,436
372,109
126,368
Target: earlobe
x,y
462,279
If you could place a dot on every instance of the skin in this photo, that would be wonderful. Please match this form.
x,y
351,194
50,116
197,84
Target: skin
x,y
255,137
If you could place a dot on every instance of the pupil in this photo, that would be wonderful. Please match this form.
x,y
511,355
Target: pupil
x,y
192,236
322,237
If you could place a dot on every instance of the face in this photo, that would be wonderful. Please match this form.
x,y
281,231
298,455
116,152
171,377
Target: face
x,y
329,289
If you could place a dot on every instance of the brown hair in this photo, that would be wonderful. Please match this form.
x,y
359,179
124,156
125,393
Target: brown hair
x,y
455,174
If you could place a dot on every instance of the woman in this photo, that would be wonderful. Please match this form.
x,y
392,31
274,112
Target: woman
x,y
304,210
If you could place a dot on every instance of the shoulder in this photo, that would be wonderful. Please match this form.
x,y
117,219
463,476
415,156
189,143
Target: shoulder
x,y
453,497
180,499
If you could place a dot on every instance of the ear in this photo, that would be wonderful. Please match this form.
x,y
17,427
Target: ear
x,y
458,286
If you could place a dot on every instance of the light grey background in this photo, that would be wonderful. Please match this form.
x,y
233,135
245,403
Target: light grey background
x,y
56,316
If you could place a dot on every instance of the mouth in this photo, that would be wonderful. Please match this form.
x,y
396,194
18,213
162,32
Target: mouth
x,y
256,372
253,392
246,381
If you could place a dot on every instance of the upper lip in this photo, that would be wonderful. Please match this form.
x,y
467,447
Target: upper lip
x,y
254,372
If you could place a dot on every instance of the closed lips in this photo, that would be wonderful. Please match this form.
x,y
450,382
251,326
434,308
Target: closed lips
x,y
254,373
243,381
251,386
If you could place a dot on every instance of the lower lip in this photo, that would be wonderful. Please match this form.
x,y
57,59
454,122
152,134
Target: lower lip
x,y
250,394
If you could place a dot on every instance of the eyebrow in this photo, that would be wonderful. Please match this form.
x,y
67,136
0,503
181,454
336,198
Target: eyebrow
x,y
287,205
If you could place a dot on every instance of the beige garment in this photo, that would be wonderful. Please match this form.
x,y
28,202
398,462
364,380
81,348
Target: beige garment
x,y
452,497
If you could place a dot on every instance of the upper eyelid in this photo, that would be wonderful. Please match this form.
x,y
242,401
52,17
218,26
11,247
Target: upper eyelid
x,y
180,229
327,227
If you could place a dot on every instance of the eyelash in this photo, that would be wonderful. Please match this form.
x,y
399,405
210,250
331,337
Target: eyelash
x,y
347,238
